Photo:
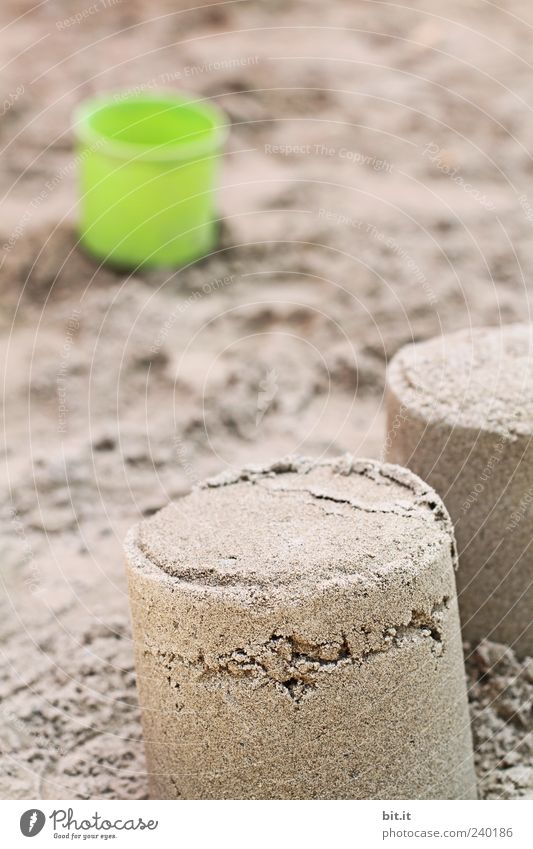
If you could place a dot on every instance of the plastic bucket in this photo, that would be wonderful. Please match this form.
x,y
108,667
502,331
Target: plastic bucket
x,y
147,166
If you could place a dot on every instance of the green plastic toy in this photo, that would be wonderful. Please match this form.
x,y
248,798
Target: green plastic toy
x,y
148,165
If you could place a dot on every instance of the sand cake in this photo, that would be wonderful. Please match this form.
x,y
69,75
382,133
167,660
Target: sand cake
x,y
460,415
297,636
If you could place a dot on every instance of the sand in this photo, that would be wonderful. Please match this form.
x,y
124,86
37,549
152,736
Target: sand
x,y
460,415
276,344
297,636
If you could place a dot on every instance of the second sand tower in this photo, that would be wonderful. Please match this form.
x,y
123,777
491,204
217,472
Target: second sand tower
x,y
297,637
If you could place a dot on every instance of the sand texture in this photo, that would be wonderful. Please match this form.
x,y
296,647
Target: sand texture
x,y
297,636
463,408
121,392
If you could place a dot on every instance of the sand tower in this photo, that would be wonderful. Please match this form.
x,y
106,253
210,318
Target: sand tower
x,y
460,415
297,636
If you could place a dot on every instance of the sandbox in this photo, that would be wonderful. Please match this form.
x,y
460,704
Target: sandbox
x,y
297,636
460,415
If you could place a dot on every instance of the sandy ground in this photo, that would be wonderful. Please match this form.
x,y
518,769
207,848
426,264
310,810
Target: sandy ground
x,y
375,190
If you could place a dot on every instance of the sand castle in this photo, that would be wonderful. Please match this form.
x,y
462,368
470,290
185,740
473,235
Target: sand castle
x,y
297,636
460,415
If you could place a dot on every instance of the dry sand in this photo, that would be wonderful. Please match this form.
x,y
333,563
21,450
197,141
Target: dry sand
x,y
297,637
121,393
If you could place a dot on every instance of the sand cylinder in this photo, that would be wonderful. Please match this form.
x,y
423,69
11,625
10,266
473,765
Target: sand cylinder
x,y
460,415
297,637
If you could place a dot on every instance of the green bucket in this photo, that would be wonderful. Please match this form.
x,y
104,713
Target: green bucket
x,y
148,165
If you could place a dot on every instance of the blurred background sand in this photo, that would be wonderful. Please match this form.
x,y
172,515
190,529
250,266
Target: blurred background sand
x,y
375,190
